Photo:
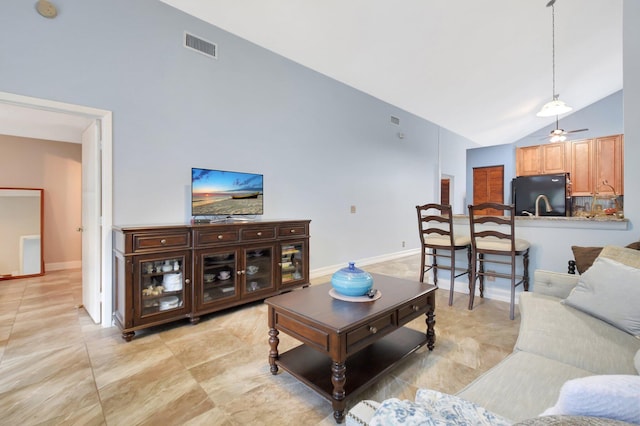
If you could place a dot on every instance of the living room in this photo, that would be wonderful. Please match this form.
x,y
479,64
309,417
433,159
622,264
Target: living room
x,y
254,111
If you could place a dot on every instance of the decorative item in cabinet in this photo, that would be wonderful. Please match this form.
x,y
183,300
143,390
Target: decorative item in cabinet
x,y
218,276
258,270
162,286
292,265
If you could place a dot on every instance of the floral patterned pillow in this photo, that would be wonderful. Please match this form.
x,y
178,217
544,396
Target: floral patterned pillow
x,y
434,408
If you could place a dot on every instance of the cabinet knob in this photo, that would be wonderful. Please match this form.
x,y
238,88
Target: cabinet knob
x,y
187,281
372,329
259,234
415,308
293,231
163,241
239,272
220,237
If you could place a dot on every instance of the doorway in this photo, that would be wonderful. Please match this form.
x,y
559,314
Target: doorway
x,y
488,187
99,287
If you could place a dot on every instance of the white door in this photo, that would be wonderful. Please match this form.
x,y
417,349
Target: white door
x,y
91,226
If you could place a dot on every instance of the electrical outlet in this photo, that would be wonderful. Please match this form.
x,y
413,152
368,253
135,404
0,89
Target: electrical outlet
x,y
353,209
491,275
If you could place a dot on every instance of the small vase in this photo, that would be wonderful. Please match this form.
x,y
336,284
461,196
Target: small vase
x,y
352,281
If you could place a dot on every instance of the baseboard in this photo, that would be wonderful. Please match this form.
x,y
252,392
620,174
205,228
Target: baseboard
x,y
329,270
59,266
462,287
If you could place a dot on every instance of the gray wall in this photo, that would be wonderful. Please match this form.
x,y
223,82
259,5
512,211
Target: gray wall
x,y
322,146
631,72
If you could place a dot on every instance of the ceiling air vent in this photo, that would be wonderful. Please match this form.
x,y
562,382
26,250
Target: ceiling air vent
x,y
201,45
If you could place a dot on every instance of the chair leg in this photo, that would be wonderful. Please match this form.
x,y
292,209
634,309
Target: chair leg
x,y
481,273
424,254
453,276
513,289
472,280
525,273
435,267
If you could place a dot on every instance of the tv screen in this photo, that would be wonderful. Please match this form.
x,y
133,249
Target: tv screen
x,y
220,192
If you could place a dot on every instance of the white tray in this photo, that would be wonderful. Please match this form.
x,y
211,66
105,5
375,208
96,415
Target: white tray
x,y
333,293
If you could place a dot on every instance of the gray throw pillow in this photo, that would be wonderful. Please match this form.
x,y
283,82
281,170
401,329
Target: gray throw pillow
x,y
609,290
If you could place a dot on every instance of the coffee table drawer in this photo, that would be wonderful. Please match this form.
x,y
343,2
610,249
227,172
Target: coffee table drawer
x,y
412,310
370,332
303,332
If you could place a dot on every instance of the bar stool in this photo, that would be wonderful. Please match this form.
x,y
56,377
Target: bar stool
x,y
435,224
498,239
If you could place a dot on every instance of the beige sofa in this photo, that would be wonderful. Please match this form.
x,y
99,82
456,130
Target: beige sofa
x,y
556,343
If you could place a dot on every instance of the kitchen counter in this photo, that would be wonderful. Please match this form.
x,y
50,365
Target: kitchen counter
x,y
575,222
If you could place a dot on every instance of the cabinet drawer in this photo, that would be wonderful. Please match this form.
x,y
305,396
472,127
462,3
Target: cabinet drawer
x,y
258,234
143,242
292,230
216,237
370,332
412,310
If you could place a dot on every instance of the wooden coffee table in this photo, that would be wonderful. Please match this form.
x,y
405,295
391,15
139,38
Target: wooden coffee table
x,y
348,345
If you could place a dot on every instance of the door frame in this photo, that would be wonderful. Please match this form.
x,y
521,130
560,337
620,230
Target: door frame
x,y
105,122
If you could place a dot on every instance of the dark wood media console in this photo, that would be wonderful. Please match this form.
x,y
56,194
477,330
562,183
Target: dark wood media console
x,y
167,273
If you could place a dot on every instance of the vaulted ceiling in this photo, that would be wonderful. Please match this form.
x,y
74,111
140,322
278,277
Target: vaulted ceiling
x,y
480,68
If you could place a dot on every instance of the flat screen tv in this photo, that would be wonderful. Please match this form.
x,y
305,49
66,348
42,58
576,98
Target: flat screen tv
x,y
225,193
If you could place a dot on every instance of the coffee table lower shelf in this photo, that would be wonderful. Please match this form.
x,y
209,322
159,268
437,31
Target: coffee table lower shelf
x,y
363,368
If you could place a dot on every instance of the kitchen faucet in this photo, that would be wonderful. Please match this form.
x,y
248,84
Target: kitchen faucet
x,y
546,202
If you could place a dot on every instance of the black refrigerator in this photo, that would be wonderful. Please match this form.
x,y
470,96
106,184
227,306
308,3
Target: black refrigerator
x,y
526,189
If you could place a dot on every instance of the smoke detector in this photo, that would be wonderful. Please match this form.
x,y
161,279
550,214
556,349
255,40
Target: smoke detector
x,y
46,9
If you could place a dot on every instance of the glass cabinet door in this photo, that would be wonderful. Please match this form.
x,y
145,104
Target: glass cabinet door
x,y
258,270
219,275
163,285
292,263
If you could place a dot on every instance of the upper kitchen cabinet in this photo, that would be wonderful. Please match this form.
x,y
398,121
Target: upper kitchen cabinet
x,y
609,165
545,159
597,166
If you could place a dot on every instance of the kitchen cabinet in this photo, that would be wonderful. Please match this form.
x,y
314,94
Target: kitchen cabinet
x,y
168,273
595,161
609,165
551,158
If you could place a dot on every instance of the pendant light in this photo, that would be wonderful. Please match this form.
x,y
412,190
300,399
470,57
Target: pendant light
x,y
555,106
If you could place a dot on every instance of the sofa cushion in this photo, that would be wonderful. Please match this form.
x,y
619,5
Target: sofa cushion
x,y
609,290
434,408
521,386
610,396
624,255
551,329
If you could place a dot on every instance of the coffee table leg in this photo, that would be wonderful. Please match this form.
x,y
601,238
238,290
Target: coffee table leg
x,y
273,352
431,322
338,379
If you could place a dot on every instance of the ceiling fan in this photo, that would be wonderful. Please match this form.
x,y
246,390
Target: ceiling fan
x,y
560,135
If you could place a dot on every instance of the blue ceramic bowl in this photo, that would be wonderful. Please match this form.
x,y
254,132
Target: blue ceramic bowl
x,y
352,281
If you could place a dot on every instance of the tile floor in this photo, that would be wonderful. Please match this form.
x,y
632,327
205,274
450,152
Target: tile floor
x,y
57,367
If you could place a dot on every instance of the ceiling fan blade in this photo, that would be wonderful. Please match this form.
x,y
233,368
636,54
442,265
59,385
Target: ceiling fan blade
x,y
576,131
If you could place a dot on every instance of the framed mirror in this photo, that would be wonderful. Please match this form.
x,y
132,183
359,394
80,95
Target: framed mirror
x,y
21,225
